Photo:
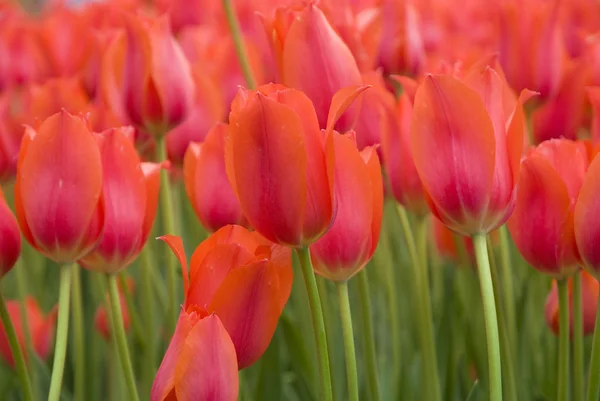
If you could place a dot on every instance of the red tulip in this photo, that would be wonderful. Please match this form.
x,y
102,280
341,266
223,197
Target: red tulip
x,y
130,194
200,363
53,96
206,182
41,328
242,278
11,133
304,42
586,219
58,191
477,128
589,298
10,238
280,165
542,222
101,319
146,78
353,237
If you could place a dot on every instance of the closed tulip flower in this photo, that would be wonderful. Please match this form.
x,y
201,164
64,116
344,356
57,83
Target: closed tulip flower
x,y
353,237
542,222
10,238
206,182
242,278
58,191
130,196
477,127
279,163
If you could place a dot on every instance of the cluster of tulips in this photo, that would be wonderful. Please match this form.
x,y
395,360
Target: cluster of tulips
x,y
300,133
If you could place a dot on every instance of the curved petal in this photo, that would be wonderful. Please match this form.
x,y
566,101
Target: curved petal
x,y
371,159
341,101
587,219
152,179
176,244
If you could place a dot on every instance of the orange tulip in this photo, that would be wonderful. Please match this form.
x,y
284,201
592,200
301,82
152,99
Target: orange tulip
x,y
313,58
54,95
58,191
280,165
353,237
10,238
206,182
542,222
589,298
477,127
146,78
242,278
130,195
41,328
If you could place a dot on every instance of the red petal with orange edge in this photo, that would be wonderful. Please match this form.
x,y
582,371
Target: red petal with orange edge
x,y
152,179
60,183
340,102
587,219
249,303
542,222
207,367
458,179
176,244
374,170
268,157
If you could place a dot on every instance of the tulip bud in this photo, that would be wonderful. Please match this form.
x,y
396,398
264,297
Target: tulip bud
x,y
58,191
587,219
206,182
353,237
10,238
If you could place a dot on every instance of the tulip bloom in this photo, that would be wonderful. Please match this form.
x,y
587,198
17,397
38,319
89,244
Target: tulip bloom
x,y
58,191
10,238
542,222
477,128
146,78
242,278
41,327
280,165
130,196
586,219
206,182
589,298
304,42
353,237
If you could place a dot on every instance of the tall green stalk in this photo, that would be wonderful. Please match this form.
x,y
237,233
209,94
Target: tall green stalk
x,y
562,391
369,337
593,390
507,286
423,304
491,318
578,366
62,333
21,288
348,332
147,270
78,337
314,300
238,40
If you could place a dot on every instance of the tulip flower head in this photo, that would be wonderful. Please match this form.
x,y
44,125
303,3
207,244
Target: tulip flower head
x,y
58,191
10,238
279,163
353,237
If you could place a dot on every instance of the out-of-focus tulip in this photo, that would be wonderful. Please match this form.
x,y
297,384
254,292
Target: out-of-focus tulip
x,y
304,42
242,278
10,238
587,219
206,182
207,111
41,327
477,127
542,222
280,165
146,78
11,133
54,95
58,191
101,319
130,193
200,363
589,298
593,94
447,245
353,237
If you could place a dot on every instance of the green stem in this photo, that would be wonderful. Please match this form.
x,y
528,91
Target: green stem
x,y
167,214
133,315
422,302
508,286
119,336
346,316
594,375
62,333
491,318
367,323
148,301
17,353
318,323
238,40
78,338
22,289
578,366
328,316
563,341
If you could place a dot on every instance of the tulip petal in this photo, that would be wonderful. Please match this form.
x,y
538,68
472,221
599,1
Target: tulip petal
x,y
374,169
10,238
340,102
152,179
176,244
459,178
249,303
587,219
